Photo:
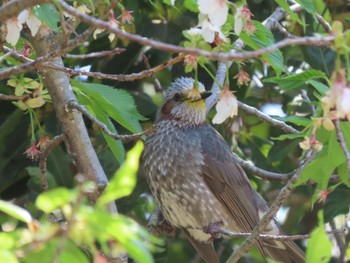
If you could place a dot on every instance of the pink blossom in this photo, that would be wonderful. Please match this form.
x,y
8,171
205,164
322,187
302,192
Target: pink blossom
x,y
32,152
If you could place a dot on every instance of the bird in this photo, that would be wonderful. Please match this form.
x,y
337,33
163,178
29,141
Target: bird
x,y
196,182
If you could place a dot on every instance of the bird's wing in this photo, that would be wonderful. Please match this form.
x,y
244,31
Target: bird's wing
x,y
228,182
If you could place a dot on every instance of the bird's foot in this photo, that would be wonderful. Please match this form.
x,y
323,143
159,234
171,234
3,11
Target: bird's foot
x,y
214,229
158,225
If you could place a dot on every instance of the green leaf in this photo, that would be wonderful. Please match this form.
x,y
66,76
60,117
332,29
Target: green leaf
x,y
124,180
8,257
116,146
319,86
262,38
319,247
56,198
192,5
118,104
296,80
288,137
308,5
15,211
48,14
72,253
284,4
298,120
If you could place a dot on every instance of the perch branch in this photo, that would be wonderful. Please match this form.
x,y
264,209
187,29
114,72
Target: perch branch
x,y
83,110
231,234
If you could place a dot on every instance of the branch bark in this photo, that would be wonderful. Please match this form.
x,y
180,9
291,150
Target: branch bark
x,y
72,122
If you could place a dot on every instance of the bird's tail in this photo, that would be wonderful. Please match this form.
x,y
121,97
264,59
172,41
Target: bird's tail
x,y
283,251
205,250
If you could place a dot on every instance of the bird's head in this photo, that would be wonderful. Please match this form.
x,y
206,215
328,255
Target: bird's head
x,y
184,102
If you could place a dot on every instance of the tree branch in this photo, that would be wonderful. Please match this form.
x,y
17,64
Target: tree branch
x,y
231,234
119,77
72,123
43,157
262,173
277,123
316,41
14,97
83,110
95,54
268,216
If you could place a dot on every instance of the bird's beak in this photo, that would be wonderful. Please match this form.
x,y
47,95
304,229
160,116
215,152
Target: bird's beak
x,y
205,94
202,96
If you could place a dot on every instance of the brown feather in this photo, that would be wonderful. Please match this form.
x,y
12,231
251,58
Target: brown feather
x,y
205,250
229,183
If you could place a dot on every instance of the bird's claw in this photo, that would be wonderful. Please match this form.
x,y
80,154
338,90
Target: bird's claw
x,y
214,229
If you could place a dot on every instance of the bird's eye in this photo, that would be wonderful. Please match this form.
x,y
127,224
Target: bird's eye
x,y
177,97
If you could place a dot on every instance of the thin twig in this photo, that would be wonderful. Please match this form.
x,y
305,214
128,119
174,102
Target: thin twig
x,y
268,216
32,65
83,110
315,41
342,143
43,157
118,77
324,23
306,97
262,173
96,54
157,85
231,234
277,123
14,97
340,239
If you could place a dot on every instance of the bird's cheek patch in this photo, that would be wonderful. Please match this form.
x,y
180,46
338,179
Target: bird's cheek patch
x,y
168,106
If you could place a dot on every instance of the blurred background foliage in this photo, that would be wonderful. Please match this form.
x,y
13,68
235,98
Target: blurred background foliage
x,y
250,137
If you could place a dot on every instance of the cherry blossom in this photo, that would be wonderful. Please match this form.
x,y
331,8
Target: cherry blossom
x,y
242,77
32,152
208,30
227,106
216,10
14,26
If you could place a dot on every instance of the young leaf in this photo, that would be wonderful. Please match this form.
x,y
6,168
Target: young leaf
x,y
308,5
50,201
124,180
296,80
48,14
261,38
284,4
118,104
15,211
298,120
319,86
290,136
319,247
8,257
